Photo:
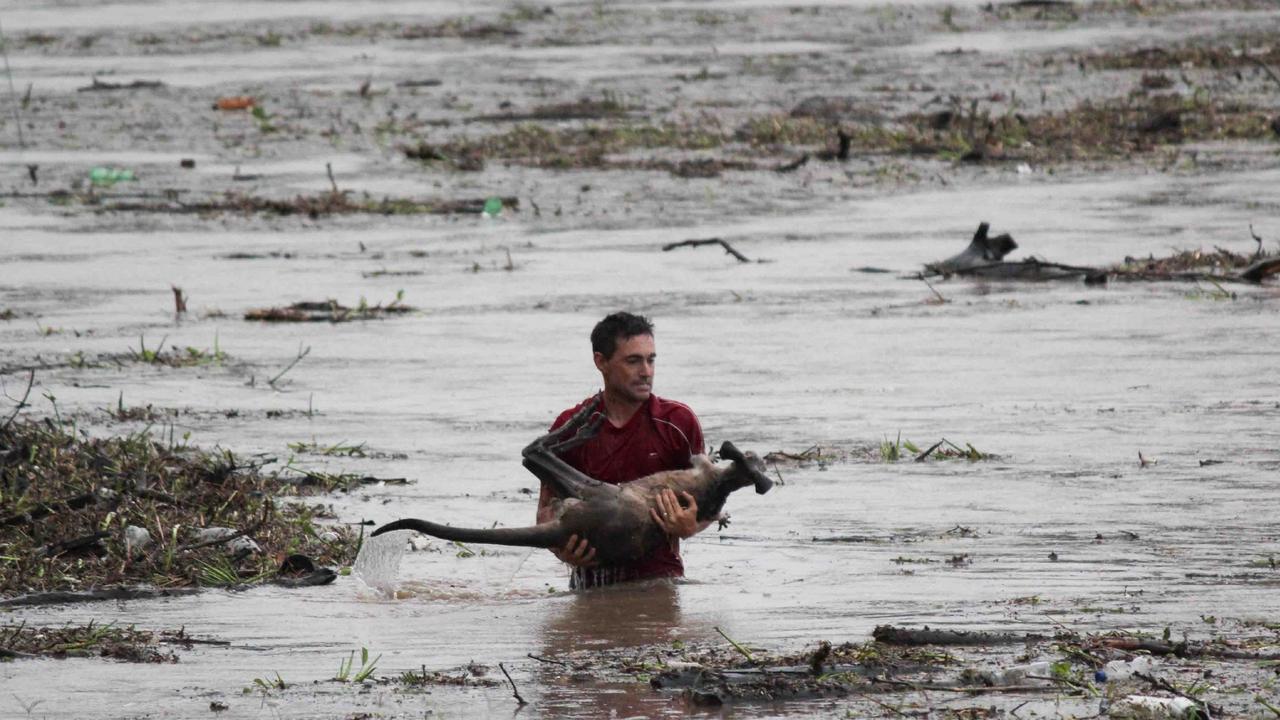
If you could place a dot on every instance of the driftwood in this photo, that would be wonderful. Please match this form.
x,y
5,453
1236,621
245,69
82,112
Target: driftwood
x,y
1261,270
324,311
91,542
890,635
983,251
707,241
122,593
793,165
1181,650
99,85
46,509
984,258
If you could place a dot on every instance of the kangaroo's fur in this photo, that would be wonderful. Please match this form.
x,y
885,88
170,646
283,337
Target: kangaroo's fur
x,y
614,519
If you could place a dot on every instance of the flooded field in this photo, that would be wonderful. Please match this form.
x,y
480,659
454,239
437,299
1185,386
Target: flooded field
x,y
1127,434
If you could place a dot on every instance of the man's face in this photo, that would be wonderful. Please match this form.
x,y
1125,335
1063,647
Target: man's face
x,y
628,373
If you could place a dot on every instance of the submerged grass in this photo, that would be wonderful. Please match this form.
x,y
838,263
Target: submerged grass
x,y
1117,128
118,643
80,513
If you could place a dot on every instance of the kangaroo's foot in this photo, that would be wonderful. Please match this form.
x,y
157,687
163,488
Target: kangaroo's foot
x,y
580,428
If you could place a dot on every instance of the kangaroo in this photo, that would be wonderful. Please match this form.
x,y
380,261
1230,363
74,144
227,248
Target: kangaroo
x,y
615,519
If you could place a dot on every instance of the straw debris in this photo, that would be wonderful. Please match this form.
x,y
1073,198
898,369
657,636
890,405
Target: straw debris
x,y
88,514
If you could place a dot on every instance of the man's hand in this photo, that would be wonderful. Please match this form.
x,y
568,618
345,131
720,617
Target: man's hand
x,y
577,553
676,521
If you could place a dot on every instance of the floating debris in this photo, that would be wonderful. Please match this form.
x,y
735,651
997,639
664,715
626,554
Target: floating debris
x,y
327,311
74,511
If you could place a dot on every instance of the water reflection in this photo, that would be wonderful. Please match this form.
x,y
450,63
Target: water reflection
x,y
630,615
619,616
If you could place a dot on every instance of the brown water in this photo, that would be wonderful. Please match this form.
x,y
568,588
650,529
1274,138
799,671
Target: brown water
x,y
1063,384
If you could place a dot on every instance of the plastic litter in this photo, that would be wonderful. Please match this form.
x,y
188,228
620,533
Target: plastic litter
x,y
108,176
1124,669
1016,675
492,207
235,102
136,539
1146,707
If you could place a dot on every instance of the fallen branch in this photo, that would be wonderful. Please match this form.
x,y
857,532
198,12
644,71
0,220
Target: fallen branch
x,y
1261,270
1202,708
514,691
968,689
64,598
561,663
44,510
707,241
76,543
890,635
793,165
1181,650
99,85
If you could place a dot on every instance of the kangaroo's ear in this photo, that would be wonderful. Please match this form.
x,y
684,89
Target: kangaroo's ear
x,y
729,451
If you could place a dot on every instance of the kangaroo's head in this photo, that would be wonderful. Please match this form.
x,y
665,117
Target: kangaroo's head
x,y
747,469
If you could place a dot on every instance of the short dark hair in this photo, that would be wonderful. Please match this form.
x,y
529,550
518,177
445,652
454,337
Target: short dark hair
x,y
615,327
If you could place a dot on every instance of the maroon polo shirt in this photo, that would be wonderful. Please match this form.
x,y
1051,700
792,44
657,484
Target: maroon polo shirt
x,y
661,435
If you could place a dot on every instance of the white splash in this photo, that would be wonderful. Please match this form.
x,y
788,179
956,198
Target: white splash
x,y
378,562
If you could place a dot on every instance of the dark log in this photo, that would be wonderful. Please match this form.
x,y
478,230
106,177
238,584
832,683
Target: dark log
x,y
122,593
1261,270
793,165
99,85
982,250
891,635
91,542
46,509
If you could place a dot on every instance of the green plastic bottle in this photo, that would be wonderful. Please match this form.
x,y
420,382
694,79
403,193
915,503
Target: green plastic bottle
x,y
108,176
493,207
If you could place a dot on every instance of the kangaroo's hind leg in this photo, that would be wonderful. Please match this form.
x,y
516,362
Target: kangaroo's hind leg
x,y
540,456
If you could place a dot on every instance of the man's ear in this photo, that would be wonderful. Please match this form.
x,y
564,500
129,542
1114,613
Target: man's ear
x,y
600,360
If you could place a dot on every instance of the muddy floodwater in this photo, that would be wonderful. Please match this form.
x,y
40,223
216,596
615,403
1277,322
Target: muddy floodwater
x,y
1129,433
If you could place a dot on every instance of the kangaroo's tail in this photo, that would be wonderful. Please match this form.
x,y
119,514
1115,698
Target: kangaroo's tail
x,y
544,535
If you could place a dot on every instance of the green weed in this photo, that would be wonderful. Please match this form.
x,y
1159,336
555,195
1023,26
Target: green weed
x,y
367,667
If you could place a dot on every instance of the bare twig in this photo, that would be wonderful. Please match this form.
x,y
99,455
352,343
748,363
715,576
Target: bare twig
x,y
921,457
1267,70
935,291
301,354
540,659
1162,684
328,168
21,403
707,241
179,300
514,691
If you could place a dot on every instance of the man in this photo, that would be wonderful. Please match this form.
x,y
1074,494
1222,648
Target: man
x,y
642,434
